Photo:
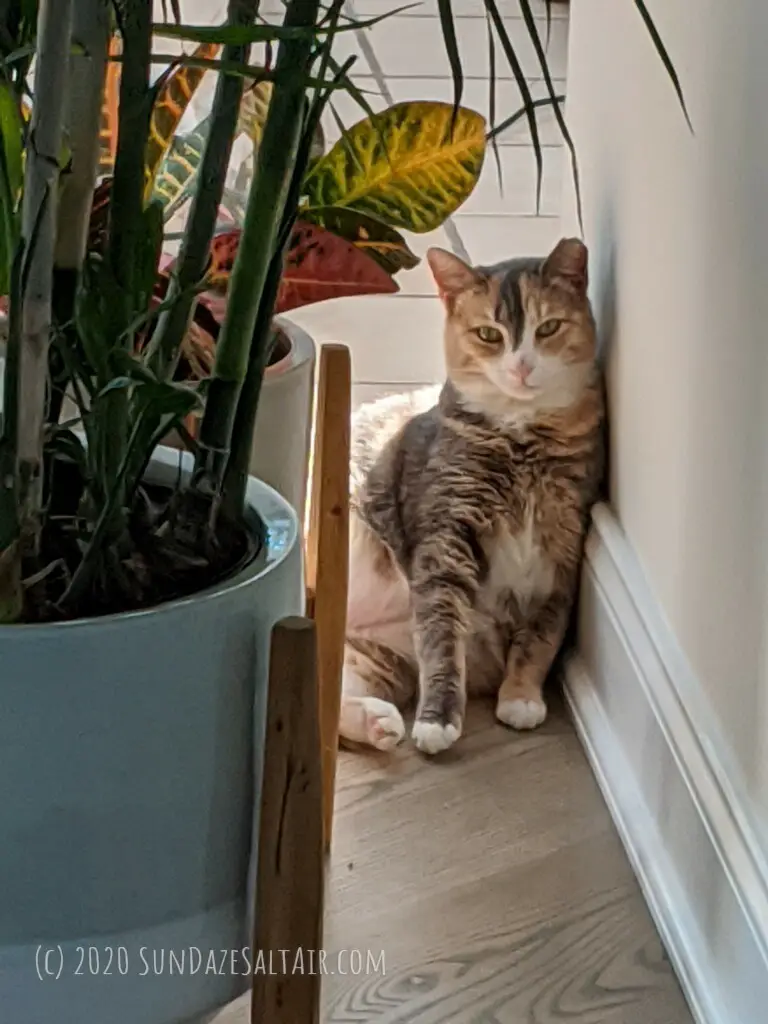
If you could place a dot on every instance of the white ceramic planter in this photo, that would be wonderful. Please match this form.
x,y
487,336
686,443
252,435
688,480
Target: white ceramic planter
x,y
130,766
282,435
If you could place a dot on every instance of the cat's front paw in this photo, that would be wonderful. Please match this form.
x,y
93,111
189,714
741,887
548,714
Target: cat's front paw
x,y
521,713
383,724
433,737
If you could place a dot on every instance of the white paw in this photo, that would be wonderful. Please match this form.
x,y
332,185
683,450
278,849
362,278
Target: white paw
x,y
431,737
521,714
384,726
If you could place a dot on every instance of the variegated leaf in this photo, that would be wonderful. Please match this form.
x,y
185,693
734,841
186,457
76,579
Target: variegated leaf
x,y
406,169
108,126
99,223
318,265
378,240
175,179
253,114
179,168
253,111
172,101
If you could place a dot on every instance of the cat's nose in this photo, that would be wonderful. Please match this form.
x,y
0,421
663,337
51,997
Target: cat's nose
x,y
521,372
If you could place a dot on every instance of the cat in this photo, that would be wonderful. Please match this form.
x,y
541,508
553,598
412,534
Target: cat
x,y
469,506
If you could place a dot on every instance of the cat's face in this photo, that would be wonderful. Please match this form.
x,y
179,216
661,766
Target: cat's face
x,y
520,333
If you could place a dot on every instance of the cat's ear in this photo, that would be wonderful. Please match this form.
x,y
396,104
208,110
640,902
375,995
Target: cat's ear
x,y
452,275
568,262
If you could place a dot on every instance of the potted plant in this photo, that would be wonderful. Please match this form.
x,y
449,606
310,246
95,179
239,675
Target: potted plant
x,y
135,607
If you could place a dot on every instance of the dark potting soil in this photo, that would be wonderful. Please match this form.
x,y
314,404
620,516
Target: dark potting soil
x,y
153,564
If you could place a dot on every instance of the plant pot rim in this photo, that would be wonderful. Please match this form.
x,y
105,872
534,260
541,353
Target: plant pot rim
x,y
281,534
300,343
297,337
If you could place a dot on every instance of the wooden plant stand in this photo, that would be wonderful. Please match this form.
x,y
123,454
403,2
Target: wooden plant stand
x,y
301,738
289,887
327,551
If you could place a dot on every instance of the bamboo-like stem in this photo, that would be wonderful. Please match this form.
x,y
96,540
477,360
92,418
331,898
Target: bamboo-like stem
x,y
125,236
273,175
90,28
39,232
135,108
238,465
195,248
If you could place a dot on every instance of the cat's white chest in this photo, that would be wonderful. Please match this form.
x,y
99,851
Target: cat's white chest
x,y
517,562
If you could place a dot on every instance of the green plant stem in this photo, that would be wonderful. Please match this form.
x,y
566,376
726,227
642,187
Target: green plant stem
x,y
123,246
195,248
238,465
39,232
90,29
63,305
273,175
135,107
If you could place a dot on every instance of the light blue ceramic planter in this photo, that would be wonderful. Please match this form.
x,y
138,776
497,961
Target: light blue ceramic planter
x,y
130,766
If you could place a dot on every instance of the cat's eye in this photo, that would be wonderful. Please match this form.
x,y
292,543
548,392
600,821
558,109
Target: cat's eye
x,y
490,335
548,328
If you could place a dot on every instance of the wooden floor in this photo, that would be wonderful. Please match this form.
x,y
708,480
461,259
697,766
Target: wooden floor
x,y
496,887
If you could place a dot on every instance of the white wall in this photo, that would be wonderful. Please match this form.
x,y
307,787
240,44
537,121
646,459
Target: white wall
x,y
678,230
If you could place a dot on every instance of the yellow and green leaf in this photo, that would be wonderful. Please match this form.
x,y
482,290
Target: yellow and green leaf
x,y
253,111
406,168
378,240
253,114
173,98
12,127
179,168
108,125
11,171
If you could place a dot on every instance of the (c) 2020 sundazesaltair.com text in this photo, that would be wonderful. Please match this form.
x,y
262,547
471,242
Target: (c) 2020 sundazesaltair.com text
x,y
53,962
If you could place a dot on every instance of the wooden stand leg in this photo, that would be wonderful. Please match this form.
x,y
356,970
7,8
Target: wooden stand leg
x,y
289,890
328,551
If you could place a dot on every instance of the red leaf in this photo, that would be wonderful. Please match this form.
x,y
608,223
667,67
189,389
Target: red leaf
x,y
223,252
97,229
320,265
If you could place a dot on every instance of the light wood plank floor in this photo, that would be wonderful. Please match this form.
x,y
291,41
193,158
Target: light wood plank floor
x,y
494,883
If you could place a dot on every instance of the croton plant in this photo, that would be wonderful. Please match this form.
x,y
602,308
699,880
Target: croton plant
x,y
404,169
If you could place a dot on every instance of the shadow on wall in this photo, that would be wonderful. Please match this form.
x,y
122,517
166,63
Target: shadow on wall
x,y
603,286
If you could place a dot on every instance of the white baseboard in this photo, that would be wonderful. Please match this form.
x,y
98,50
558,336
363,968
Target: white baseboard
x,y
683,814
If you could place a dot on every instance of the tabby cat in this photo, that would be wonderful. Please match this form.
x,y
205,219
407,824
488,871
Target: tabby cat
x,y
470,506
